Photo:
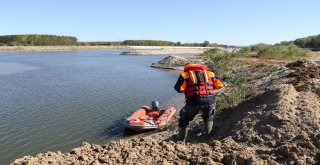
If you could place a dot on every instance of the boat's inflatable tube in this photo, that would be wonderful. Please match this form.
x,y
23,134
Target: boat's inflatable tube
x,y
140,121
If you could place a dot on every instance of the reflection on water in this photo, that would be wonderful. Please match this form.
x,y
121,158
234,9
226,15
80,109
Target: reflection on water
x,y
56,100
12,68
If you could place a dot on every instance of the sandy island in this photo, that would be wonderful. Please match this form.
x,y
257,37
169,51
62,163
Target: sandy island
x,y
159,50
164,50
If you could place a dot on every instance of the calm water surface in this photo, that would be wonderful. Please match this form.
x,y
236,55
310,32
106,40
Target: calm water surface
x,y
57,100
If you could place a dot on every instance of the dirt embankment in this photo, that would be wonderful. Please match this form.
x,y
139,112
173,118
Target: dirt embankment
x,y
279,126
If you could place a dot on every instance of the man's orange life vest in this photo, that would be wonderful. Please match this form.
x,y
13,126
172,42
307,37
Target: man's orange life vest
x,y
199,81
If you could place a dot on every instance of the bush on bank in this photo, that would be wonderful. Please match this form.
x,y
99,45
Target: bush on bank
x,y
274,51
221,62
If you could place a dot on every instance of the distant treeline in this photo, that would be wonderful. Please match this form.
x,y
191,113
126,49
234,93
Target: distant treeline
x,y
154,43
148,43
100,43
37,40
47,40
310,42
130,43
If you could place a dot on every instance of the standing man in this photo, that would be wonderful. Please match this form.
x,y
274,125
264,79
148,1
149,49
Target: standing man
x,y
199,85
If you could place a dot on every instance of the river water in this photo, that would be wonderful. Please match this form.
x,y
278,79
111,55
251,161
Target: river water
x,y
53,101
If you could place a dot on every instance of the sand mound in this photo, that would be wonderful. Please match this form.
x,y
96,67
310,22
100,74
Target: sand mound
x,y
279,126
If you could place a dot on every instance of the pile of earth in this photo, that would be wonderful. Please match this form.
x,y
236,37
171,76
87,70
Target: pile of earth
x,y
281,125
278,126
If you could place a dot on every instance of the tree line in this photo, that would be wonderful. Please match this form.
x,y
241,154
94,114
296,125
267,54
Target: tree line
x,y
48,40
130,43
37,40
158,43
100,43
148,43
310,42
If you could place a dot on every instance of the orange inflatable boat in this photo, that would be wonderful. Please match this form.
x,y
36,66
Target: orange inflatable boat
x,y
143,119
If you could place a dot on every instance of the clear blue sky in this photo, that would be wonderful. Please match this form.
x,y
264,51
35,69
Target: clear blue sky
x,y
238,22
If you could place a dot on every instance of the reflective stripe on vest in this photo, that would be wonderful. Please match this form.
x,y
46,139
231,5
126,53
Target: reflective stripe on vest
x,y
194,81
205,73
193,76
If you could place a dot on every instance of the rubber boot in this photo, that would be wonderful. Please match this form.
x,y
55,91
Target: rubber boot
x,y
183,133
208,125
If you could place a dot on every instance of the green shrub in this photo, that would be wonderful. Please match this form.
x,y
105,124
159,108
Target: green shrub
x,y
219,61
13,43
172,125
212,52
83,44
237,89
274,51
